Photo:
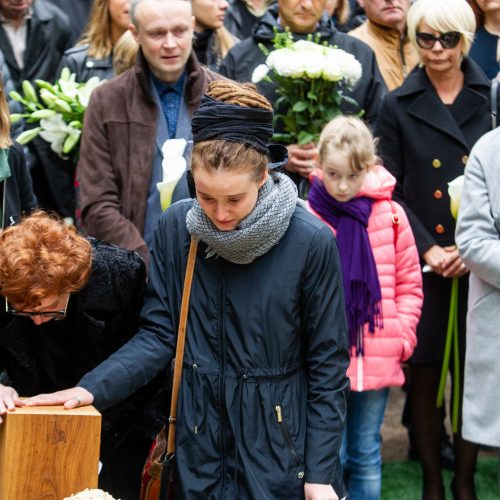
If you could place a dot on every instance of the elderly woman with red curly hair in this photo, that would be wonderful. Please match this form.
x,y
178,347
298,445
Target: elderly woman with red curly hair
x,y
68,303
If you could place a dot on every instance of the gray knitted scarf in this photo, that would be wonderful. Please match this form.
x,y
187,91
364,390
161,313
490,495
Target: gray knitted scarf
x,y
258,232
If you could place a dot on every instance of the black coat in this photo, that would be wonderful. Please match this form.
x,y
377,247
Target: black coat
x,y
17,189
425,147
244,57
48,38
426,144
260,336
100,318
239,20
85,67
78,12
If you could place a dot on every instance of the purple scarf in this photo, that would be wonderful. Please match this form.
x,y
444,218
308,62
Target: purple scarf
x,y
359,272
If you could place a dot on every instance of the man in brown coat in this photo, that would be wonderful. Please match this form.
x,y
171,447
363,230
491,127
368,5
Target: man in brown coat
x,y
385,32
128,120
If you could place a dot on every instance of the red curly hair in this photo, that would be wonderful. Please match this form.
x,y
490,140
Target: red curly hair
x,y
42,257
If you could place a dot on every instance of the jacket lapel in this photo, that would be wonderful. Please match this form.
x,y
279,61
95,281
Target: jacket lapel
x,y
428,108
37,39
9,54
469,101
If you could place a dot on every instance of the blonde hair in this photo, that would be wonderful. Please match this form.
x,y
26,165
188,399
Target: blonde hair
x,y
443,16
349,135
124,53
224,41
5,139
98,31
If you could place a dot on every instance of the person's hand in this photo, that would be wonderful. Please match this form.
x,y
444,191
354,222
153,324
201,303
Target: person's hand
x,y
454,266
315,491
301,159
9,399
436,257
70,398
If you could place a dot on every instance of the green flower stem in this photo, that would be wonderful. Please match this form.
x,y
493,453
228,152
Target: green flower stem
x,y
451,340
456,366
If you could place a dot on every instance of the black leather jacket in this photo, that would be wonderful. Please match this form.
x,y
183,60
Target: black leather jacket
x,y
85,67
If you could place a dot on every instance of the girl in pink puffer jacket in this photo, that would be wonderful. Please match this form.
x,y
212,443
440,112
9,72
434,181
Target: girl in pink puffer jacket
x,y
382,286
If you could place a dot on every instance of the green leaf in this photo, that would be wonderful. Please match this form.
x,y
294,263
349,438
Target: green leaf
x,y
306,137
299,106
284,138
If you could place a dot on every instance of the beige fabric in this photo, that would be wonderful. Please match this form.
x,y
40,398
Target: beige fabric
x,y
395,57
17,38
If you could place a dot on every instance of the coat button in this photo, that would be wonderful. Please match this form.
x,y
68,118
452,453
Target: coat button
x,y
465,159
436,163
90,64
300,475
438,194
439,229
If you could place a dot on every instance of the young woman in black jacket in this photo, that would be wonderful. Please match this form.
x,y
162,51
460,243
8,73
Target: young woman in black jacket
x,y
263,396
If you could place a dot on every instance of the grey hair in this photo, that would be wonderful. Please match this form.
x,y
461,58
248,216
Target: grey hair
x,y
133,10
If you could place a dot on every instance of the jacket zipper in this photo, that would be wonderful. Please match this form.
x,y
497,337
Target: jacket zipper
x,y
222,352
404,68
286,434
195,397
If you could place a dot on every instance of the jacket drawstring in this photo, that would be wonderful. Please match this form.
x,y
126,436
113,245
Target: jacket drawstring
x,y
196,405
241,382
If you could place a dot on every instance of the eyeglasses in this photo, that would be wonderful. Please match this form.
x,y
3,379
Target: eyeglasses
x,y
56,315
447,40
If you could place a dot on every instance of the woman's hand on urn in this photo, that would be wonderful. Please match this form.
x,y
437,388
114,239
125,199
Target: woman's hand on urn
x,y
315,491
70,398
9,399
454,266
301,159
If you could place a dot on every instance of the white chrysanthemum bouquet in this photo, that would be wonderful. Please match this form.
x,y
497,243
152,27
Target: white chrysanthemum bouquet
x,y
58,108
310,79
90,495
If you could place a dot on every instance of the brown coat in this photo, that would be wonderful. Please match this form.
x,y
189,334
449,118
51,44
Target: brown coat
x,y
116,155
396,57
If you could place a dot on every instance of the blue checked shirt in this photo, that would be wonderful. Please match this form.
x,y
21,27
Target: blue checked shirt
x,y
170,98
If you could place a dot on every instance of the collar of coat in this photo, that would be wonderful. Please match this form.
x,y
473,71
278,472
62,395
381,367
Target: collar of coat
x,y
424,104
195,84
264,30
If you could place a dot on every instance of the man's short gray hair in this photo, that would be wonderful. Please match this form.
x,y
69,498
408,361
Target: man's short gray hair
x,y
133,10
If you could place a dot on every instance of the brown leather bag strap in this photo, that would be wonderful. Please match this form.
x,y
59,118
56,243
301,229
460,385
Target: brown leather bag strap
x,y
181,341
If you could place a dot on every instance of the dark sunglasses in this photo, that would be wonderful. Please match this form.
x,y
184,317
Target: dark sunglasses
x,y
56,315
447,40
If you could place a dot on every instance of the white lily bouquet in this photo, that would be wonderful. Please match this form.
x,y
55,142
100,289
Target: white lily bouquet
x,y
59,112
310,79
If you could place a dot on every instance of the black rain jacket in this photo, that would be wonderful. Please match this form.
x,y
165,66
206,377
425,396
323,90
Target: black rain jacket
x,y
263,394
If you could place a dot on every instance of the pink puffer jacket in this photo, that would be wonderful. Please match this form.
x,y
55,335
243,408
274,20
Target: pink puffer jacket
x,y
400,278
